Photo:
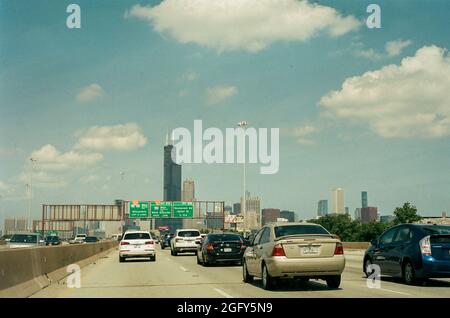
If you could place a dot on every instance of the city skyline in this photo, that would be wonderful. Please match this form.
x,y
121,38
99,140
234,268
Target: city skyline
x,y
97,123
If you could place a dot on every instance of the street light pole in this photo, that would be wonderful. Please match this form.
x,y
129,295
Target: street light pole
x,y
243,124
31,195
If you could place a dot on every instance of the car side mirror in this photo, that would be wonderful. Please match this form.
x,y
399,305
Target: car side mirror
x,y
374,242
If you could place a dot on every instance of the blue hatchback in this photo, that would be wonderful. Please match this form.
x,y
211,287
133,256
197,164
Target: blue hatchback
x,y
412,251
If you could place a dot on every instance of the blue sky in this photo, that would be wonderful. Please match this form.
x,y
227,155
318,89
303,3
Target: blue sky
x,y
135,69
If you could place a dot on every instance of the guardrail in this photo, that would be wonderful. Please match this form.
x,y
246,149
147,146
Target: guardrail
x,y
24,271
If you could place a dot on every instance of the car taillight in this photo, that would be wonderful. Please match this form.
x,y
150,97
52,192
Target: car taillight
x,y
425,246
339,250
210,247
124,243
149,242
178,240
278,250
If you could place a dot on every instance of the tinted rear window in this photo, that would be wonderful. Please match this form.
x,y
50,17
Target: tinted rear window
x,y
437,230
299,230
224,238
23,238
137,236
189,233
52,239
91,239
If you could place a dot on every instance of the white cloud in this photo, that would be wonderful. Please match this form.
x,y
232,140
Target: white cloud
x,y
217,94
302,133
190,76
250,25
90,93
120,137
3,186
406,100
43,179
49,158
391,49
394,48
89,179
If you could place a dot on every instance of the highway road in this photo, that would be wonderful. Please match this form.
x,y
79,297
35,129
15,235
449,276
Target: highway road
x,y
181,277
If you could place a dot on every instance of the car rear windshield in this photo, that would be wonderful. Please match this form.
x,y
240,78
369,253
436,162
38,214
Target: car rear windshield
x,y
224,238
137,236
437,230
91,239
189,233
23,238
52,238
299,230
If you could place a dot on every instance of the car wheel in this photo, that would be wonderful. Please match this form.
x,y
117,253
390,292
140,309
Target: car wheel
x,y
409,274
247,278
121,259
175,253
198,260
367,263
333,281
267,280
204,261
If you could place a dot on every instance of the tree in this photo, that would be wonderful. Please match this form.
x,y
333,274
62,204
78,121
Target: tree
x,y
368,232
406,214
341,225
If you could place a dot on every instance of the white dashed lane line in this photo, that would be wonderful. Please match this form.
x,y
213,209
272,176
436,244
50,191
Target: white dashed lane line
x,y
222,293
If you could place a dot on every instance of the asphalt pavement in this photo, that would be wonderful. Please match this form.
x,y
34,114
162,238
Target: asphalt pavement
x,y
181,277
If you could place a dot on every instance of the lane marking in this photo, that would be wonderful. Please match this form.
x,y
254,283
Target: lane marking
x,y
183,269
394,291
223,293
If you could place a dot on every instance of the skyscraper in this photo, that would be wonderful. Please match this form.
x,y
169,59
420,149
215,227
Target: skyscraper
x,y
236,208
171,187
369,214
289,215
322,208
188,192
364,201
337,201
252,211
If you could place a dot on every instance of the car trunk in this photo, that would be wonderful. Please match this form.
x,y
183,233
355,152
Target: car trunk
x,y
136,244
308,246
227,247
440,247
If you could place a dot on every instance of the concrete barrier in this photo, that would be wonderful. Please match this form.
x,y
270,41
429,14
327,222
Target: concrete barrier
x,y
356,245
25,271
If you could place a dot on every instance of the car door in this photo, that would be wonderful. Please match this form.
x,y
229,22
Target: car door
x,y
261,249
384,251
250,254
401,241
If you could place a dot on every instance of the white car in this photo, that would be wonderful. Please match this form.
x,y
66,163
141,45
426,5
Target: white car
x,y
79,239
185,240
137,244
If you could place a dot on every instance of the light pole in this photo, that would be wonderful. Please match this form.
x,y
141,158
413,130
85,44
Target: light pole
x,y
2,217
32,160
243,124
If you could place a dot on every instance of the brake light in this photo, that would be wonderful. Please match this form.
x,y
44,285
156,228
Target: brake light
x,y
124,243
178,240
149,242
210,247
339,250
278,250
425,246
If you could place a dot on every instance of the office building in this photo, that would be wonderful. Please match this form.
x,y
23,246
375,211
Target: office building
x,y
364,201
252,204
289,215
270,215
236,208
337,201
188,193
358,214
369,214
347,210
228,209
386,218
322,208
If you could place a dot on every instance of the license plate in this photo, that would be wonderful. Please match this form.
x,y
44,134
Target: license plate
x,y
136,246
310,250
227,249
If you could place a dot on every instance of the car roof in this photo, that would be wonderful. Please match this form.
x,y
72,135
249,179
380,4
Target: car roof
x,y
179,230
136,231
273,224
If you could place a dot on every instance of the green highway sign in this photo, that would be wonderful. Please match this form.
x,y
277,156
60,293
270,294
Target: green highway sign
x,y
138,209
160,209
183,210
